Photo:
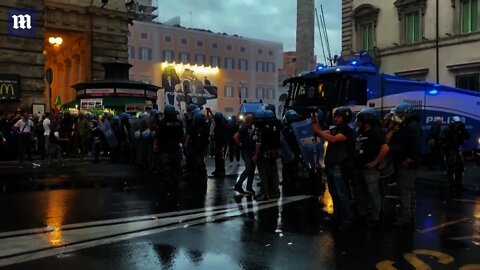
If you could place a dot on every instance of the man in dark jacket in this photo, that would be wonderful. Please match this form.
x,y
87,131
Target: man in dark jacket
x,y
405,149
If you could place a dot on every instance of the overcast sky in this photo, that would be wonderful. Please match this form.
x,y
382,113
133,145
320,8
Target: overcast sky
x,y
273,20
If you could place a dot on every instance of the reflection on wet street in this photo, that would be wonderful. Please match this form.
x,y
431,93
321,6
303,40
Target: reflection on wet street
x,y
109,217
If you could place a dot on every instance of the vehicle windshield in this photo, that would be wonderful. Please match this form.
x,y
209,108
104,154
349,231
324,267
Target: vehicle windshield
x,y
314,92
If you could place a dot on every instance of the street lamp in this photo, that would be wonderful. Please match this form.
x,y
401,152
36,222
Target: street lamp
x,y
55,41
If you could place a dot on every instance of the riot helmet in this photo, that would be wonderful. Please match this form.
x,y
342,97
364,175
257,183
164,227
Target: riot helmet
x,y
345,112
366,115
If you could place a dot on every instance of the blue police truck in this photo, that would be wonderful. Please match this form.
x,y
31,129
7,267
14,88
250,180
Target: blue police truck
x,y
357,83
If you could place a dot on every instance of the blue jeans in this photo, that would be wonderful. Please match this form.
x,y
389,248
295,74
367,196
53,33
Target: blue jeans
x,y
339,188
368,192
249,172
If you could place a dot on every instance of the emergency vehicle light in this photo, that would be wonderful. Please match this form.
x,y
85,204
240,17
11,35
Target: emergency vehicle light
x,y
433,92
354,62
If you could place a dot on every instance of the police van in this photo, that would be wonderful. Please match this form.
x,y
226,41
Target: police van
x,y
358,84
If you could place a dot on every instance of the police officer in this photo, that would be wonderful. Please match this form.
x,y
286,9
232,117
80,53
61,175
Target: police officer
x,y
196,147
244,139
453,138
405,149
371,149
191,111
167,144
290,153
221,137
267,144
339,163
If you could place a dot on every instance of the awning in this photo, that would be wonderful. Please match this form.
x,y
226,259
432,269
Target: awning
x,y
111,101
121,101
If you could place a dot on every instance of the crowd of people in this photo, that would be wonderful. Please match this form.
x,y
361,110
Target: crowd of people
x,y
172,146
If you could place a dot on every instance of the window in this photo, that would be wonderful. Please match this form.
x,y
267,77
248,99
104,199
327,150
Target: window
x,y
229,47
229,91
242,64
469,82
215,61
243,49
259,93
228,110
214,45
200,59
367,37
184,58
168,56
144,35
271,93
270,67
145,54
412,27
243,92
184,41
260,66
260,51
199,43
168,39
469,15
270,53
229,64
131,52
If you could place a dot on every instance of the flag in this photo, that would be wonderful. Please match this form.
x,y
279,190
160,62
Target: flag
x,y
58,103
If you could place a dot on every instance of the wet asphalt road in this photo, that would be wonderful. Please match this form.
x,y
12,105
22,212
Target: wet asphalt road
x,y
103,216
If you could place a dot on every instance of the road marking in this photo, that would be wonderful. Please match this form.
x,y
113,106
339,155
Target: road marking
x,y
443,258
467,201
475,237
121,220
392,197
25,248
385,265
443,225
470,267
414,261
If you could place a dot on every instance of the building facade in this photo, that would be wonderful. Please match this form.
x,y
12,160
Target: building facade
x,y
71,37
403,38
185,60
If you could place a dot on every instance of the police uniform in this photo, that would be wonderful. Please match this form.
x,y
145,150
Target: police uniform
x,y
453,138
168,139
197,147
405,145
267,135
290,155
247,148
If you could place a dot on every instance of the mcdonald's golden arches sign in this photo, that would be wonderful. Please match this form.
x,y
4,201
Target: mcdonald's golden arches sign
x,y
9,87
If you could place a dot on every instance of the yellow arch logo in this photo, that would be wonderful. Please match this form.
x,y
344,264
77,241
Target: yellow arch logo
x,y
7,88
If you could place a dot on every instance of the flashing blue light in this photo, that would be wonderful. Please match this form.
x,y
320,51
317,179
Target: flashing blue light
x,y
354,62
433,92
319,68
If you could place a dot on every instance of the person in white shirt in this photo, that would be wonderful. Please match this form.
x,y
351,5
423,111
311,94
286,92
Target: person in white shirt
x,y
46,127
24,127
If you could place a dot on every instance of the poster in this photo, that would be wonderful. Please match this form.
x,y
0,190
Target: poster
x,y
185,84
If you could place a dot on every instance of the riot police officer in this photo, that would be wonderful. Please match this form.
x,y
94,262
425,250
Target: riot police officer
x,y
244,139
371,149
196,147
267,146
290,153
167,144
405,146
221,137
453,138
339,163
